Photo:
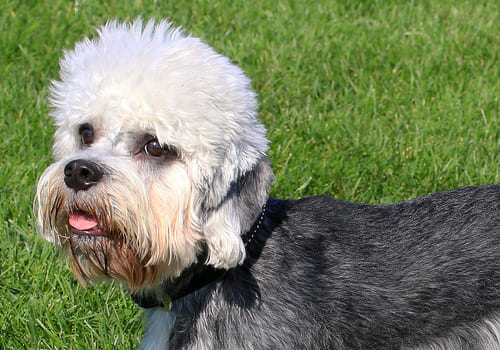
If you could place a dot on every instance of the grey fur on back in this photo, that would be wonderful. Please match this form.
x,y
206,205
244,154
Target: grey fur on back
x,y
421,274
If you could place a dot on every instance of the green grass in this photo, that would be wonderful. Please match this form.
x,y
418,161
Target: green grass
x,y
376,101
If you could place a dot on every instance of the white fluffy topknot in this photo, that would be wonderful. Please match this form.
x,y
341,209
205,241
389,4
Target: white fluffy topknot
x,y
155,77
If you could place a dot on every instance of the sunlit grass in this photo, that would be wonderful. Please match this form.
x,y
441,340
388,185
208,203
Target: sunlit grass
x,y
373,102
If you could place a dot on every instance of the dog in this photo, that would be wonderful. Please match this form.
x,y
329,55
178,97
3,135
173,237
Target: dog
x,y
161,181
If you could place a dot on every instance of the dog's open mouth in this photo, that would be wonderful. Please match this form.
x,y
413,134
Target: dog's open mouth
x,y
84,224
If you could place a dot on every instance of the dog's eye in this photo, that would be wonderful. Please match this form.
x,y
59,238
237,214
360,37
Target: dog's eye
x,y
86,134
155,149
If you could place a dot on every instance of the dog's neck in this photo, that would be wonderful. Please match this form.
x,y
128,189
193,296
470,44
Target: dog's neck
x,y
200,274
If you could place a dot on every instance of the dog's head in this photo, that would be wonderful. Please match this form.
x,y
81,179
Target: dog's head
x,y
158,154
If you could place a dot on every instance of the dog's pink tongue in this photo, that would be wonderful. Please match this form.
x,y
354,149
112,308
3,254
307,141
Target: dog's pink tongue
x,y
82,221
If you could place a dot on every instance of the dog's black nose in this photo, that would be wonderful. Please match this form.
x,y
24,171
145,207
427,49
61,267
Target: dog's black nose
x,y
80,174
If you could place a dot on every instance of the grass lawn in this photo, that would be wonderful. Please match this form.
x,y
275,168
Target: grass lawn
x,y
375,101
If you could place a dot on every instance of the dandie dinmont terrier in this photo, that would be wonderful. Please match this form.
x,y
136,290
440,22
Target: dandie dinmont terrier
x,y
161,180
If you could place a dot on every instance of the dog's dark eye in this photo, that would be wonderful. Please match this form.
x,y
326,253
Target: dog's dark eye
x,y
86,134
155,149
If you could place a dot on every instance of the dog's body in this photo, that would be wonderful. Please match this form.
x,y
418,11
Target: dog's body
x,y
161,180
339,275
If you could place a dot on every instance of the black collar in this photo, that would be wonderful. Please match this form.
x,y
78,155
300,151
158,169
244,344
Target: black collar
x,y
200,274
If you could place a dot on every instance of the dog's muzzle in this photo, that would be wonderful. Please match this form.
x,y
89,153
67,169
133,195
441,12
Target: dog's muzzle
x,y
80,174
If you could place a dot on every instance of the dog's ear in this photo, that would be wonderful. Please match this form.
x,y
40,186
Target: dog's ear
x,y
234,213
